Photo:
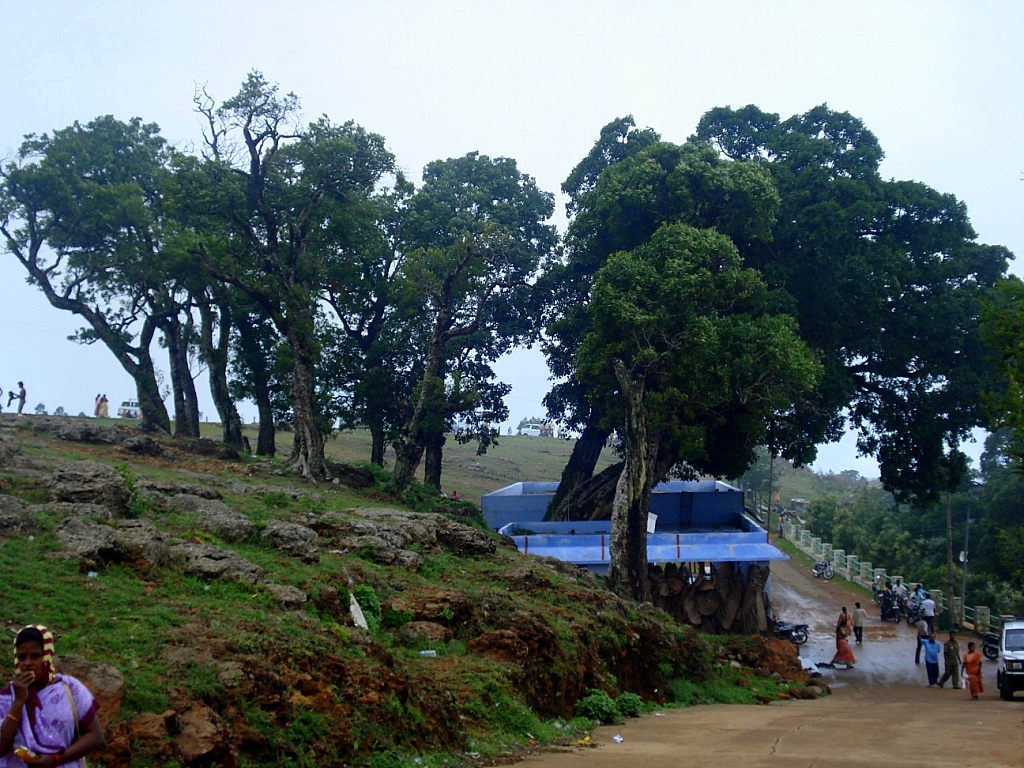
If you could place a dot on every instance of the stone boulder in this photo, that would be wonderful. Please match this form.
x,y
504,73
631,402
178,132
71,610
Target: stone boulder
x,y
169,488
465,541
216,517
105,681
500,644
202,446
289,598
143,445
85,509
414,632
292,539
89,481
208,562
78,430
15,516
9,449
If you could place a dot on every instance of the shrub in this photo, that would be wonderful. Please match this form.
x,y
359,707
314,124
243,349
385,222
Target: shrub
x,y
597,706
629,704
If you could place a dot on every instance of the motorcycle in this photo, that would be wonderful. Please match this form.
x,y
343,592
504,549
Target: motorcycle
x,y
990,646
890,607
795,633
824,569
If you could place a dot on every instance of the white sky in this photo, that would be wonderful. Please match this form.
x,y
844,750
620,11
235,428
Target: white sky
x,y
939,83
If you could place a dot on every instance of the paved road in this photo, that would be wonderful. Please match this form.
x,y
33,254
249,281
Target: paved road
x,y
881,713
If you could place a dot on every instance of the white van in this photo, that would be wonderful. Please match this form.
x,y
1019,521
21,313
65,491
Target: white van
x,y
532,430
129,410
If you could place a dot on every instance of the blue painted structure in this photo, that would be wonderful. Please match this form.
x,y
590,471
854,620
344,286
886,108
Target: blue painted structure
x,y
696,522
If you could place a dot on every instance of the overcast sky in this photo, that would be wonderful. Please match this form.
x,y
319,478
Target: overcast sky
x,y
939,83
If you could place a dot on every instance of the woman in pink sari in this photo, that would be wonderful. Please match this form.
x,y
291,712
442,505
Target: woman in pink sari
x,y
843,653
48,719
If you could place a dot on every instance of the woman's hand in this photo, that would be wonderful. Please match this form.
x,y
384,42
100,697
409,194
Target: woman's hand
x,y
42,761
21,683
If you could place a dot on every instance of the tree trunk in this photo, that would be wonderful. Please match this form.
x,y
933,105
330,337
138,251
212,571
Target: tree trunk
x,y
410,448
308,451
579,469
265,438
432,459
216,355
147,389
186,402
377,445
255,363
627,571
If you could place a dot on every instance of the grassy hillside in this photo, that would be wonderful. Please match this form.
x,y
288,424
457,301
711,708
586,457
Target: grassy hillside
x,y
515,459
271,670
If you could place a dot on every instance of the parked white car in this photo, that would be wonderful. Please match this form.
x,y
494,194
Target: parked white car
x,y
532,430
1010,675
129,410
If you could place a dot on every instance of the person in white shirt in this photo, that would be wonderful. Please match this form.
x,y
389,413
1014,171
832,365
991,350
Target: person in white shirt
x,y
928,612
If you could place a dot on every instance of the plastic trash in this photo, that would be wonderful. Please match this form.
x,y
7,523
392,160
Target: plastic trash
x,y
430,654
617,739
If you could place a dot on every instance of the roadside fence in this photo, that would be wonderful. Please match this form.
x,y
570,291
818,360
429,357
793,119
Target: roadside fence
x,y
978,618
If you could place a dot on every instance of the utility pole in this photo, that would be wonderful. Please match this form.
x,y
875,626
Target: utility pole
x,y
949,556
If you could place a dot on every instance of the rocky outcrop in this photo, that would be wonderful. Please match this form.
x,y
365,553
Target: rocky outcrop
x,y
292,539
216,517
386,535
79,430
15,517
88,481
143,445
9,449
105,681
168,488
424,631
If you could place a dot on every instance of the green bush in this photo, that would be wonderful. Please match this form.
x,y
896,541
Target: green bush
x,y
598,706
629,704
370,604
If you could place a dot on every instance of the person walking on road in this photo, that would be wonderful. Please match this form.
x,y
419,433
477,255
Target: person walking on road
x,y
932,648
972,666
859,614
844,624
928,611
922,635
951,655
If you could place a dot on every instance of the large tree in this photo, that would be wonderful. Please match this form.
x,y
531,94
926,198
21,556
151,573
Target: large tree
x,y
885,278
474,234
292,200
82,211
681,344
657,184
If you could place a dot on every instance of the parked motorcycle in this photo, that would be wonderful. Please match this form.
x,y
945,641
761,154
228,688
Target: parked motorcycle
x,y
795,633
824,569
990,646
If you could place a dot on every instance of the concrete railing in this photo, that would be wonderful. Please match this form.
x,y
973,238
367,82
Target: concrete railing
x,y
853,569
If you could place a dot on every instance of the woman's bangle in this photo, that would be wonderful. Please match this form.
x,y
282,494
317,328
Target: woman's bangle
x,y
13,719
58,759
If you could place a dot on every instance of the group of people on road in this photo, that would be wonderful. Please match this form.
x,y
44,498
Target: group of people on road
x,y
968,666
20,396
965,669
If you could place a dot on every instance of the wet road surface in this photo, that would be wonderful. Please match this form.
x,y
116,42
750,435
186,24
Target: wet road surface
x,y
881,713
